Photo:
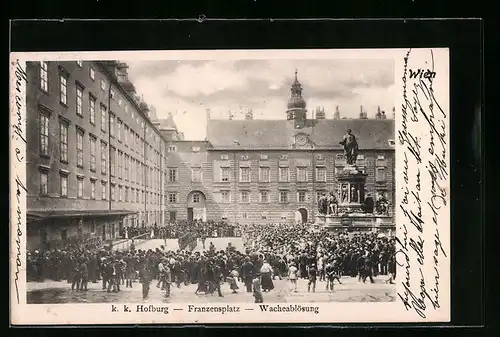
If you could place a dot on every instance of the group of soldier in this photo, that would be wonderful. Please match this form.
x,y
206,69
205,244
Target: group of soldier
x,y
272,251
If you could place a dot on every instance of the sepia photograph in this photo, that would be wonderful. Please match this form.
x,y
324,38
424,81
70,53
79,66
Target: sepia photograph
x,y
207,181
215,180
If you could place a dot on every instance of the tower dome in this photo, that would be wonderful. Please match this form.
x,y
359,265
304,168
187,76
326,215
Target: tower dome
x,y
296,101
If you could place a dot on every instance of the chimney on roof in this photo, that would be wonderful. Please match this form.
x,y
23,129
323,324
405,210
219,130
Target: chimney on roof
x,y
378,115
320,113
393,112
249,114
362,114
383,116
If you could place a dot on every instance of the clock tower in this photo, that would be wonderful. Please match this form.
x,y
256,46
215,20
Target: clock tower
x,y
296,105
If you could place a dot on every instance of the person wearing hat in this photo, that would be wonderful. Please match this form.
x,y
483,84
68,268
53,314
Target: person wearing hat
x,y
292,275
145,277
256,287
312,274
167,278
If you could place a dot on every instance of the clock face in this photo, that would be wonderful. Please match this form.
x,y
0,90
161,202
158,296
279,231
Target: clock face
x,y
301,139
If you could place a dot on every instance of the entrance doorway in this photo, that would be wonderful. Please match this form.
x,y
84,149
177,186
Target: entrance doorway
x,y
303,214
196,206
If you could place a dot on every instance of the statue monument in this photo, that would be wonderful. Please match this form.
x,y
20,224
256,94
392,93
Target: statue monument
x,y
348,206
350,148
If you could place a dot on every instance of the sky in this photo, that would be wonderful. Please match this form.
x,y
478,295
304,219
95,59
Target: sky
x,y
188,88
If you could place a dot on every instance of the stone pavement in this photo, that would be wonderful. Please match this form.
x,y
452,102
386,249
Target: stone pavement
x,y
172,244
349,291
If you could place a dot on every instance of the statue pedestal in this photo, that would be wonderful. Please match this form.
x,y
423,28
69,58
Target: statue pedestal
x,y
320,219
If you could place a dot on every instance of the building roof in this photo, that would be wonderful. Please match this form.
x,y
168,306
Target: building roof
x,y
278,134
167,123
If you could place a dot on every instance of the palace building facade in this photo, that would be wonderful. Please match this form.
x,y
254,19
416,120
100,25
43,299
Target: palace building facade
x,y
95,157
271,171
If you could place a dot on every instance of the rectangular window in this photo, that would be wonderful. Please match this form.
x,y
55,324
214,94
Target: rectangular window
x,y
103,190
79,148
196,197
196,174
112,196
120,164
92,189
301,196
79,184
172,175
111,124
103,158
92,73
120,193
172,198
126,194
320,173
264,197
93,141
125,135
380,174
224,173
112,93
283,174
112,161
126,166
63,82
79,100
119,130
225,197
319,195
172,148
44,134
64,185
244,197
301,174
264,174
283,196
103,85
244,174
92,109
44,183
79,63
44,79
63,141
103,118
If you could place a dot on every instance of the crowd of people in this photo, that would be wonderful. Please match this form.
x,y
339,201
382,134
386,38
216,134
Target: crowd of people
x,y
174,230
271,251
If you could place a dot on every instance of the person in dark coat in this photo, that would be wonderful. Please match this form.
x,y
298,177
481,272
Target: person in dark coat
x,y
248,273
368,269
145,277
312,275
84,275
75,276
361,267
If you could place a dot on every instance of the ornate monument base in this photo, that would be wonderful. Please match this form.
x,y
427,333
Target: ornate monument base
x,y
352,212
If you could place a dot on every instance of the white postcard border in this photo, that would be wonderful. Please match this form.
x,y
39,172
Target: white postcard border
x,y
419,295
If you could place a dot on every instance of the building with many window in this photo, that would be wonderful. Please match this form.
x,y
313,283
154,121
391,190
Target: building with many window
x,y
95,157
272,171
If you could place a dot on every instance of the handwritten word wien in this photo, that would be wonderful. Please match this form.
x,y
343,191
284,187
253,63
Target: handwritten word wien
x,y
421,115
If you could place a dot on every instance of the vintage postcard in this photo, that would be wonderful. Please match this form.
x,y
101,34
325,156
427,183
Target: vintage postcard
x,y
197,187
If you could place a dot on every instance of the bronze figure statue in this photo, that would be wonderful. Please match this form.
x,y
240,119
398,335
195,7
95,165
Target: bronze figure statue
x,y
350,148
